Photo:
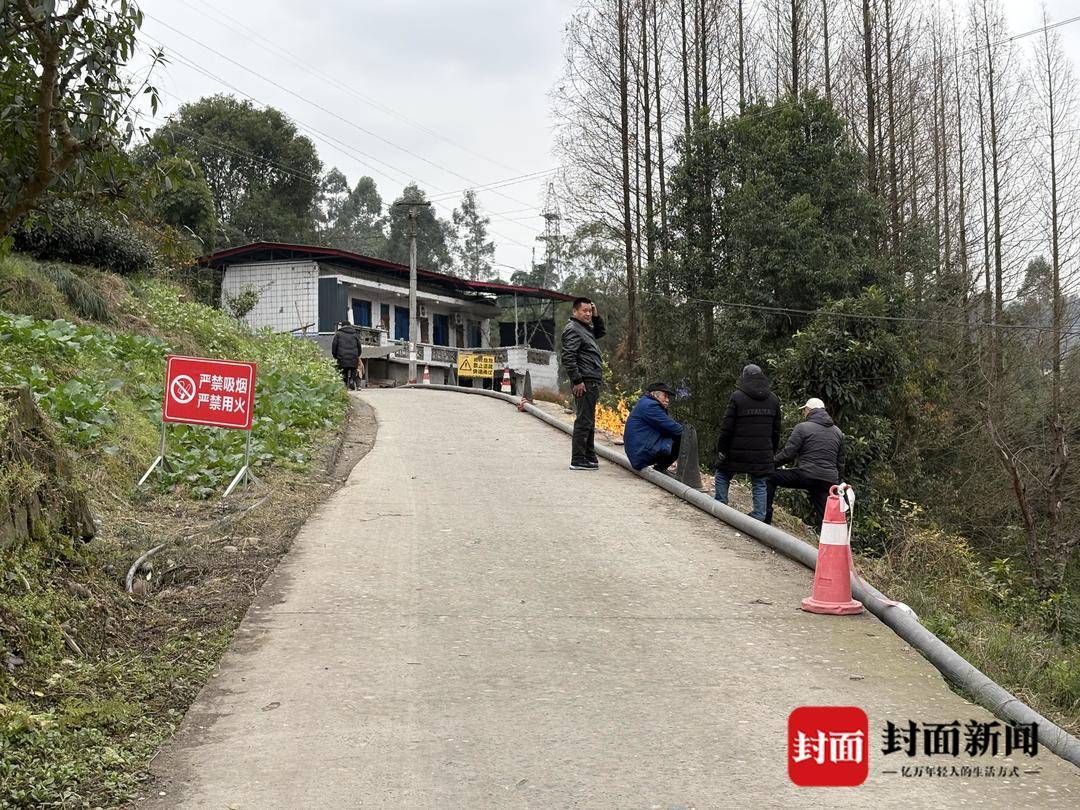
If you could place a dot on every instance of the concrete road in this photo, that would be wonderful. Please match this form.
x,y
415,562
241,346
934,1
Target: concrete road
x,y
468,624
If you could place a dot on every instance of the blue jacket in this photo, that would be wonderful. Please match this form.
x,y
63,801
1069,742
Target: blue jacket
x,y
649,432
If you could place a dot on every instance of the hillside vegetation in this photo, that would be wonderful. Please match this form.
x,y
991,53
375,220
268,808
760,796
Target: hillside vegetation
x,y
92,679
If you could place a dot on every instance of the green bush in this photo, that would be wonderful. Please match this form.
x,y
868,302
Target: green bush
x,y
87,379
65,232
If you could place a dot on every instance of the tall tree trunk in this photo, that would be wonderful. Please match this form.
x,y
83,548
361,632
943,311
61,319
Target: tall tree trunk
x,y
720,70
685,67
628,236
696,45
914,181
879,122
946,224
659,133
987,289
650,223
894,197
1059,454
871,113
795,49
936,133
965,270
828,67
778,50
703,35
742,62
995,170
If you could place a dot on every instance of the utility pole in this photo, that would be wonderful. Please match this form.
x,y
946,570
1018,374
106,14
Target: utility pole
x,y
414,321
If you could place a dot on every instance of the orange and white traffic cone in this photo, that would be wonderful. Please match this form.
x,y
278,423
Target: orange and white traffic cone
x,y
832,574
506,389
427,376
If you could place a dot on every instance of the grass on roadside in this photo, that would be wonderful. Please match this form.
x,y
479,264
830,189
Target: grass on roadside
x,y
91,680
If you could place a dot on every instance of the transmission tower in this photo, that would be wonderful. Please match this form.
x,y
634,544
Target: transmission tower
x,y
552,239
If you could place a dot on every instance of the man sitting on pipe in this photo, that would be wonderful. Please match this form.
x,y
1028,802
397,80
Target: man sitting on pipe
x,y
651,436
817,448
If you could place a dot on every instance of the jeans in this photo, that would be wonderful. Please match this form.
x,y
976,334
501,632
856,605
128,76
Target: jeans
x,y
816,489
758,489
583,447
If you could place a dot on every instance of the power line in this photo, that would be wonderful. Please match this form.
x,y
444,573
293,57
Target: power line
x,y
331,140
509,181
340,145
322,108
280,51
777,310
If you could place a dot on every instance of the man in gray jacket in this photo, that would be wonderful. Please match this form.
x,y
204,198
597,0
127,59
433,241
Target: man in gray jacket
x,y
581,359
817,448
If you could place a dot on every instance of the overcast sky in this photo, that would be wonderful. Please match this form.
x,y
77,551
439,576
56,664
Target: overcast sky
x,y
447,93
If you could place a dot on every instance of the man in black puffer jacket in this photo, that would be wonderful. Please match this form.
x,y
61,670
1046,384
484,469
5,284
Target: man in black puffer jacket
x,y
749,438
346,349
817,448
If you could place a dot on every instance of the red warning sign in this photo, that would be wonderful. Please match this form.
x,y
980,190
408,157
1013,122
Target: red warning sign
x,y
200,391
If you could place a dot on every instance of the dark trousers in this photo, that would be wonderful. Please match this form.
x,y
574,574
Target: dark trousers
x,y
349,376
664,460
816,489
584,443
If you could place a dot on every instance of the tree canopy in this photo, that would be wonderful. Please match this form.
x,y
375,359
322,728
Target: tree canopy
x,y
432,233
264,176
65,101
473,251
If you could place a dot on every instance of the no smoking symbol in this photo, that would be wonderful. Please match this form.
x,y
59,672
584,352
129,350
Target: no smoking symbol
x,y
182,389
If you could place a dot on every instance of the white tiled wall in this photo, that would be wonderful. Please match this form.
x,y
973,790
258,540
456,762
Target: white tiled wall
x,y
289,293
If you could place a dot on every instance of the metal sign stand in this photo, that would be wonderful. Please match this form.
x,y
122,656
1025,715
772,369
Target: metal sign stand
x,y
159,462
245,474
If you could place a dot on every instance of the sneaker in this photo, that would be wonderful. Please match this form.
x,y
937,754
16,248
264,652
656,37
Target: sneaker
x,y
593,465
584,466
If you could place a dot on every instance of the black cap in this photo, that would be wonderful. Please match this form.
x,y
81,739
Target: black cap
x,y
660,386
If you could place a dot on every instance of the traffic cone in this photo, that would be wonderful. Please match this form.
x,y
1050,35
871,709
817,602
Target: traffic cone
x,y
427,376
832,574
506,389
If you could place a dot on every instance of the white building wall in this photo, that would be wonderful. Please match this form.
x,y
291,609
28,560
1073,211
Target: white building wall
x,y
289,293
379,297
543,375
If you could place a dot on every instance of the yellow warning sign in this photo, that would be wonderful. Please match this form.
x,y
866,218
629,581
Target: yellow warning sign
x,y
475,365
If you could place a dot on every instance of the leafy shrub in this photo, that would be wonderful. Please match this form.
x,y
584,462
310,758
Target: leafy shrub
x,y
85,377
243,302
67,233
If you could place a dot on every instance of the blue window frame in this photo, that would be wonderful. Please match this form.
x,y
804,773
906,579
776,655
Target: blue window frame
x,y
361,312
401,323
473,338
441,326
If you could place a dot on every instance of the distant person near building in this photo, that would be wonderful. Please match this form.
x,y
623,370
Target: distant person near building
x,y
346,349
817,448
749,437
581,359
651,436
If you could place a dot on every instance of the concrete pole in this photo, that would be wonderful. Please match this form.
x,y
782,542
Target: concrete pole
x,y
414,323
515,320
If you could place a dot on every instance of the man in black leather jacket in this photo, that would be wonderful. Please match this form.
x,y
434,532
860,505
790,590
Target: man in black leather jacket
x,y
583,364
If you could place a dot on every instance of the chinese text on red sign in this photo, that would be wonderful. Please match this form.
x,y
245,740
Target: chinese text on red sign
x,y
199,391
